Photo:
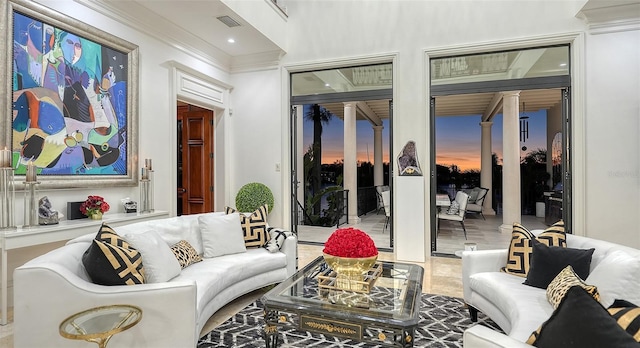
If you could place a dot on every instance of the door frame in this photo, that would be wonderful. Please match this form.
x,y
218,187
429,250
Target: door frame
x,y
576,107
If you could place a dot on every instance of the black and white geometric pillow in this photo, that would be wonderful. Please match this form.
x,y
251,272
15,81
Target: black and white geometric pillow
x,y
277,237
254,226
110,260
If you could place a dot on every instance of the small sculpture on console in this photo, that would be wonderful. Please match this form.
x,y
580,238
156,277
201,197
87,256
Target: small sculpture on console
x,y
46,214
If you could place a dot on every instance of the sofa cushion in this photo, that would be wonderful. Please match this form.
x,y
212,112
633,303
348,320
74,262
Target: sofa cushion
x,y
221,235
110,260
185,253
548,261
214,275
524,306
159,262
565,280
520,248
581,321
627,315
616,276
254,226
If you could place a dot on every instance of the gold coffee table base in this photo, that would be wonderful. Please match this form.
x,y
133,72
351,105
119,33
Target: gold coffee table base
x,y
99,324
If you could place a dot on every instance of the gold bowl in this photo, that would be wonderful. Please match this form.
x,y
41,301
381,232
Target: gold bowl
x,y
350,270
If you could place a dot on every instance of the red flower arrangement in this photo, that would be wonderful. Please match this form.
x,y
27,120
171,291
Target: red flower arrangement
x,y
350,242
94,204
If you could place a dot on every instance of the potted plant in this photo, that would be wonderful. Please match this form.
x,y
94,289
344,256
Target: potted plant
x,y
252,196
349,252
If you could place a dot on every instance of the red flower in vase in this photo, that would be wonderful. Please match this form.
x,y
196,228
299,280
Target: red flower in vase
x,y
350,242
94,204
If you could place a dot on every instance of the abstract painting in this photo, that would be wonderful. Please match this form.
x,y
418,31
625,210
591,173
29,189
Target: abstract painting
x,y
71,99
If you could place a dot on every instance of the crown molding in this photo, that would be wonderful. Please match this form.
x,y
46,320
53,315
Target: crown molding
x,y
141,19
611,16
256,62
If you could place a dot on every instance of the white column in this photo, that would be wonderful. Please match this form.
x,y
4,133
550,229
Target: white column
x,y
510,160
486,167
377,156
350,167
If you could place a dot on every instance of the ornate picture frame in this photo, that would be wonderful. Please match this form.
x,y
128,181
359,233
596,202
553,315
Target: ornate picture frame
x,y
70,106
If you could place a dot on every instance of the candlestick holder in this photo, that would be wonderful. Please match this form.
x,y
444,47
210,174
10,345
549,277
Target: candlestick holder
x,y
145,188
30,204
7,198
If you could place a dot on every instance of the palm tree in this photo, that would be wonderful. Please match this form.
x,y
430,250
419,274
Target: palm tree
x,y
318,115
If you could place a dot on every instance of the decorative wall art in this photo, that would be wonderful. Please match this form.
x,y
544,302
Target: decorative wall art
x,y
408,160
71,99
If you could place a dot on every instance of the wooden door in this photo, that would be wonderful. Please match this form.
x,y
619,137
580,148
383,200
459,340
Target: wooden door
x,y
195,160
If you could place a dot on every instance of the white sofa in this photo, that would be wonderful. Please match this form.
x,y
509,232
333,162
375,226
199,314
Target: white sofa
x,y
520,309
54,286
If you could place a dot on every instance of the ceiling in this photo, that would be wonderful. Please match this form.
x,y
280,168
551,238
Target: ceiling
x,y
196,20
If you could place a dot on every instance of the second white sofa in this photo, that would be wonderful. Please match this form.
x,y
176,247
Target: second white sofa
x,y
520,309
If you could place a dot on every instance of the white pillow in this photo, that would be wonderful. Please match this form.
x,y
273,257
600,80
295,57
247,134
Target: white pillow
x,y
617,276
158,260
221,234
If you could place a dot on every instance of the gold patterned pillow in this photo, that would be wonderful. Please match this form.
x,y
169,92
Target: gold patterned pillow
x,y
521,248
627,315
567,278
110,260
185,253
254,226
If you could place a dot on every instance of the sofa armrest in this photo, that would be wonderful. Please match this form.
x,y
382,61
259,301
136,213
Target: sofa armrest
x,y
46,294
480,261
290,248
479,336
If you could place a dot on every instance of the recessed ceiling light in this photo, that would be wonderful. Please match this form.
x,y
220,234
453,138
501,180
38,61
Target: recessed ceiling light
x,y
230,40
327,85
563,64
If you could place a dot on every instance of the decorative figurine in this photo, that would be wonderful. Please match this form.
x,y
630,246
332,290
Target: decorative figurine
x,y
46,214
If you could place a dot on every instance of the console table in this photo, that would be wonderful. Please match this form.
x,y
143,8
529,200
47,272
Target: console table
x,y
65,230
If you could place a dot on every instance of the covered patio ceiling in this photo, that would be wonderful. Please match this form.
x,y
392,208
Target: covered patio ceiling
x,y
455,105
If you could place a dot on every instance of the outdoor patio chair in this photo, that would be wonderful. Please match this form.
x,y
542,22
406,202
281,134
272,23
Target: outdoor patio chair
x,y
379,190
462,199
386,199
475,206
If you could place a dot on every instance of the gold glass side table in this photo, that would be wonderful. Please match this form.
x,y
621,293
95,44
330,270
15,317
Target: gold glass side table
x,y
99,324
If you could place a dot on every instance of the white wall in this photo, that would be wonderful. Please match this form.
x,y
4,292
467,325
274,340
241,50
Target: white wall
x,y
257,131
612,129
330,31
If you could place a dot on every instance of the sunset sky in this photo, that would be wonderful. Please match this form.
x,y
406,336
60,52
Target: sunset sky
x,y
457,139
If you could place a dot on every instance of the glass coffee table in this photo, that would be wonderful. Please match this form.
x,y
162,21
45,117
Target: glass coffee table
x,y
386,315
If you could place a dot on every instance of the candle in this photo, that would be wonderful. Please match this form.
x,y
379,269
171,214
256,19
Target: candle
x,y
5,158
145,175
147,164
31,172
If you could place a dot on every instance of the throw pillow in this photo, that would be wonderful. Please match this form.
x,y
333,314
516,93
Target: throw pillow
x,y
548,261
110,260
628,316
221,235
581,321
566,279
615,275
254,226
276,238
160,264
454,208
186,254
520,248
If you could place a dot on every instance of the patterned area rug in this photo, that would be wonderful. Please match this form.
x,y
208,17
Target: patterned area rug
x,y
443,319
